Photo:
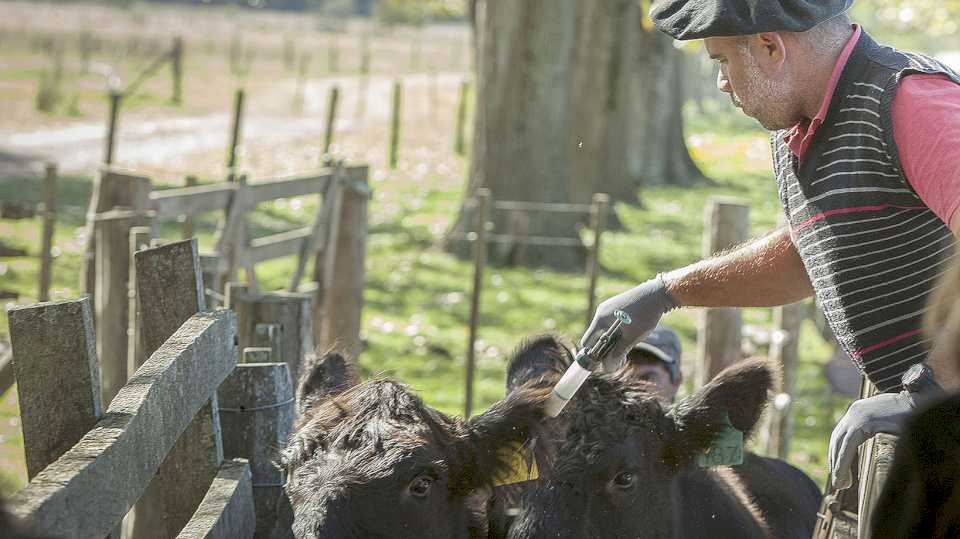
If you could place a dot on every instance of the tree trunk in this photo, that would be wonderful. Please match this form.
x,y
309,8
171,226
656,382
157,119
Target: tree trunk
x,y
573,98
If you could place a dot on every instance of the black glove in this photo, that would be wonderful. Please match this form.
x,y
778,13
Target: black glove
x,y
645,304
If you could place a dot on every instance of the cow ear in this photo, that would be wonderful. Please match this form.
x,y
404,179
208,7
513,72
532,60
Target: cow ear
x,y
324,375
545,357
493,438
739,393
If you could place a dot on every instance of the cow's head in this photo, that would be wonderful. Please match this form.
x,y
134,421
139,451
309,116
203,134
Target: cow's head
x,y
619,452
372,460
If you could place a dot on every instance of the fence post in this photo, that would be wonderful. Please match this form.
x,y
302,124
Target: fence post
x,y
139,240
784,349
58,383
460,144
726,224
49,220
111,190
333,55
186,227
331,118
176,70
479,237
344,296
302,72
280,321
112,258
598,219
115,98
235,134
169,280
256,415
395,125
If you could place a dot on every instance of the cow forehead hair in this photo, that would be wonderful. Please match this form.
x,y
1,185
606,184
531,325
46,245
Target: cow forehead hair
x,y
607,410
374,416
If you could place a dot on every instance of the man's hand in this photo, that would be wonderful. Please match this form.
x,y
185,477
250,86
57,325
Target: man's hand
x,y
645,304
885,413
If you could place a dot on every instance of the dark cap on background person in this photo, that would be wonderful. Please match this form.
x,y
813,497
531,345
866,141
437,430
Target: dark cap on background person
x,y
698,19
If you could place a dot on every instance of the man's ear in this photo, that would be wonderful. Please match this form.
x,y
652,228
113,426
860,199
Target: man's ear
x,y
324,375
769,50
739,393
493,438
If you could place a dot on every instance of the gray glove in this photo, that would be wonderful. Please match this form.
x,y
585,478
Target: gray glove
x,y
886,413
645,304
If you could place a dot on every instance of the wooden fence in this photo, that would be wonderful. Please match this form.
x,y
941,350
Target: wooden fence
x,y
124,202
187,442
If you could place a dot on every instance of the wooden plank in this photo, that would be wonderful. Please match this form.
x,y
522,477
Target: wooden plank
x,y
136,355
172,203
80,495
344,296
257,409
277,245
170,283
318,240
112,255
291,186
290,312
49,221
55,361
7,376
227,510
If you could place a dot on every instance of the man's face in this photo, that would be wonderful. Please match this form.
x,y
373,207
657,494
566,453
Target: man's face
x,y
650,369
757,86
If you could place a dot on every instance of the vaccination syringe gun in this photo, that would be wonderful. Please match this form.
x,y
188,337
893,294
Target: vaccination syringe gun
x,y
586,361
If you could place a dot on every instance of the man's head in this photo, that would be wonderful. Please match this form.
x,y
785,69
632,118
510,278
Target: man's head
x,y
656,360
772,53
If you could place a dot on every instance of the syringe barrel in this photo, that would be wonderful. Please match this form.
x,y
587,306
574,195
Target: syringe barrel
x,y
566,388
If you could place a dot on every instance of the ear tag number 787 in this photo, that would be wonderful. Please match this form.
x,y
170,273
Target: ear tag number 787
x,y
726,448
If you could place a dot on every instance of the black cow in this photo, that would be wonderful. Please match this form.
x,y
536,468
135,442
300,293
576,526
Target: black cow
x,y
624,466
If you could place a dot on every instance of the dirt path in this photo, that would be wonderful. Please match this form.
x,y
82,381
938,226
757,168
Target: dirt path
x,y
164,143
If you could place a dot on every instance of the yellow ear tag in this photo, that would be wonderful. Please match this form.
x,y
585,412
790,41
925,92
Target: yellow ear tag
x,y
523,467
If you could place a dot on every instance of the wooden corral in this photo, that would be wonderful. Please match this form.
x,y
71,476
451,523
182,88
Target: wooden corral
x,y
188,440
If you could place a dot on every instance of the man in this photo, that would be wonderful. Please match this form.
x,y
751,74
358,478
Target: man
x,y
866,152
656,359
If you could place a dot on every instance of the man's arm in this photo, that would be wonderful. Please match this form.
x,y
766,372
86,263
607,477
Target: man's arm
x,y
765,272
762,273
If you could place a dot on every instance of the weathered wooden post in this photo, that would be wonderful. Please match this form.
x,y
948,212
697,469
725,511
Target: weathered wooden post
x,y
344,295
139,240
395,125
176,70
365,54
598,219
169,280
235,127
279,321
115,97
460,141
302,72
49,220
256,415
726,225
479,238
784,349
186,221
331,118
58,382
126,198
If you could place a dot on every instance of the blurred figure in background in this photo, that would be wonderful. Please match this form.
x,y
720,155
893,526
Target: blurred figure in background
x,y
656,359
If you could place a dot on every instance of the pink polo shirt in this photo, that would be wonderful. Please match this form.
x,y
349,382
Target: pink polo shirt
x,y
926,128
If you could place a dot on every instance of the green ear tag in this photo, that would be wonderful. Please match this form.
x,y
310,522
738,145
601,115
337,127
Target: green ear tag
x,y
726,449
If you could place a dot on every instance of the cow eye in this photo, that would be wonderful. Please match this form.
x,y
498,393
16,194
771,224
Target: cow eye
x,y
624,480
420,487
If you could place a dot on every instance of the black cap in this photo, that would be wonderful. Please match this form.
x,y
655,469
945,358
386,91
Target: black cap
x,y
697,19
662,343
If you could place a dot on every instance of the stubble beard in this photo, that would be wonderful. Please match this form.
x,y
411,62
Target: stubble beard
x,y
767,98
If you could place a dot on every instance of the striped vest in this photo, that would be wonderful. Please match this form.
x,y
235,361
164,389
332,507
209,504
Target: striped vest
x,y
872,248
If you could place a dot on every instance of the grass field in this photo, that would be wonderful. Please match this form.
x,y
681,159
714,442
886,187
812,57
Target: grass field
x,y
417,296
